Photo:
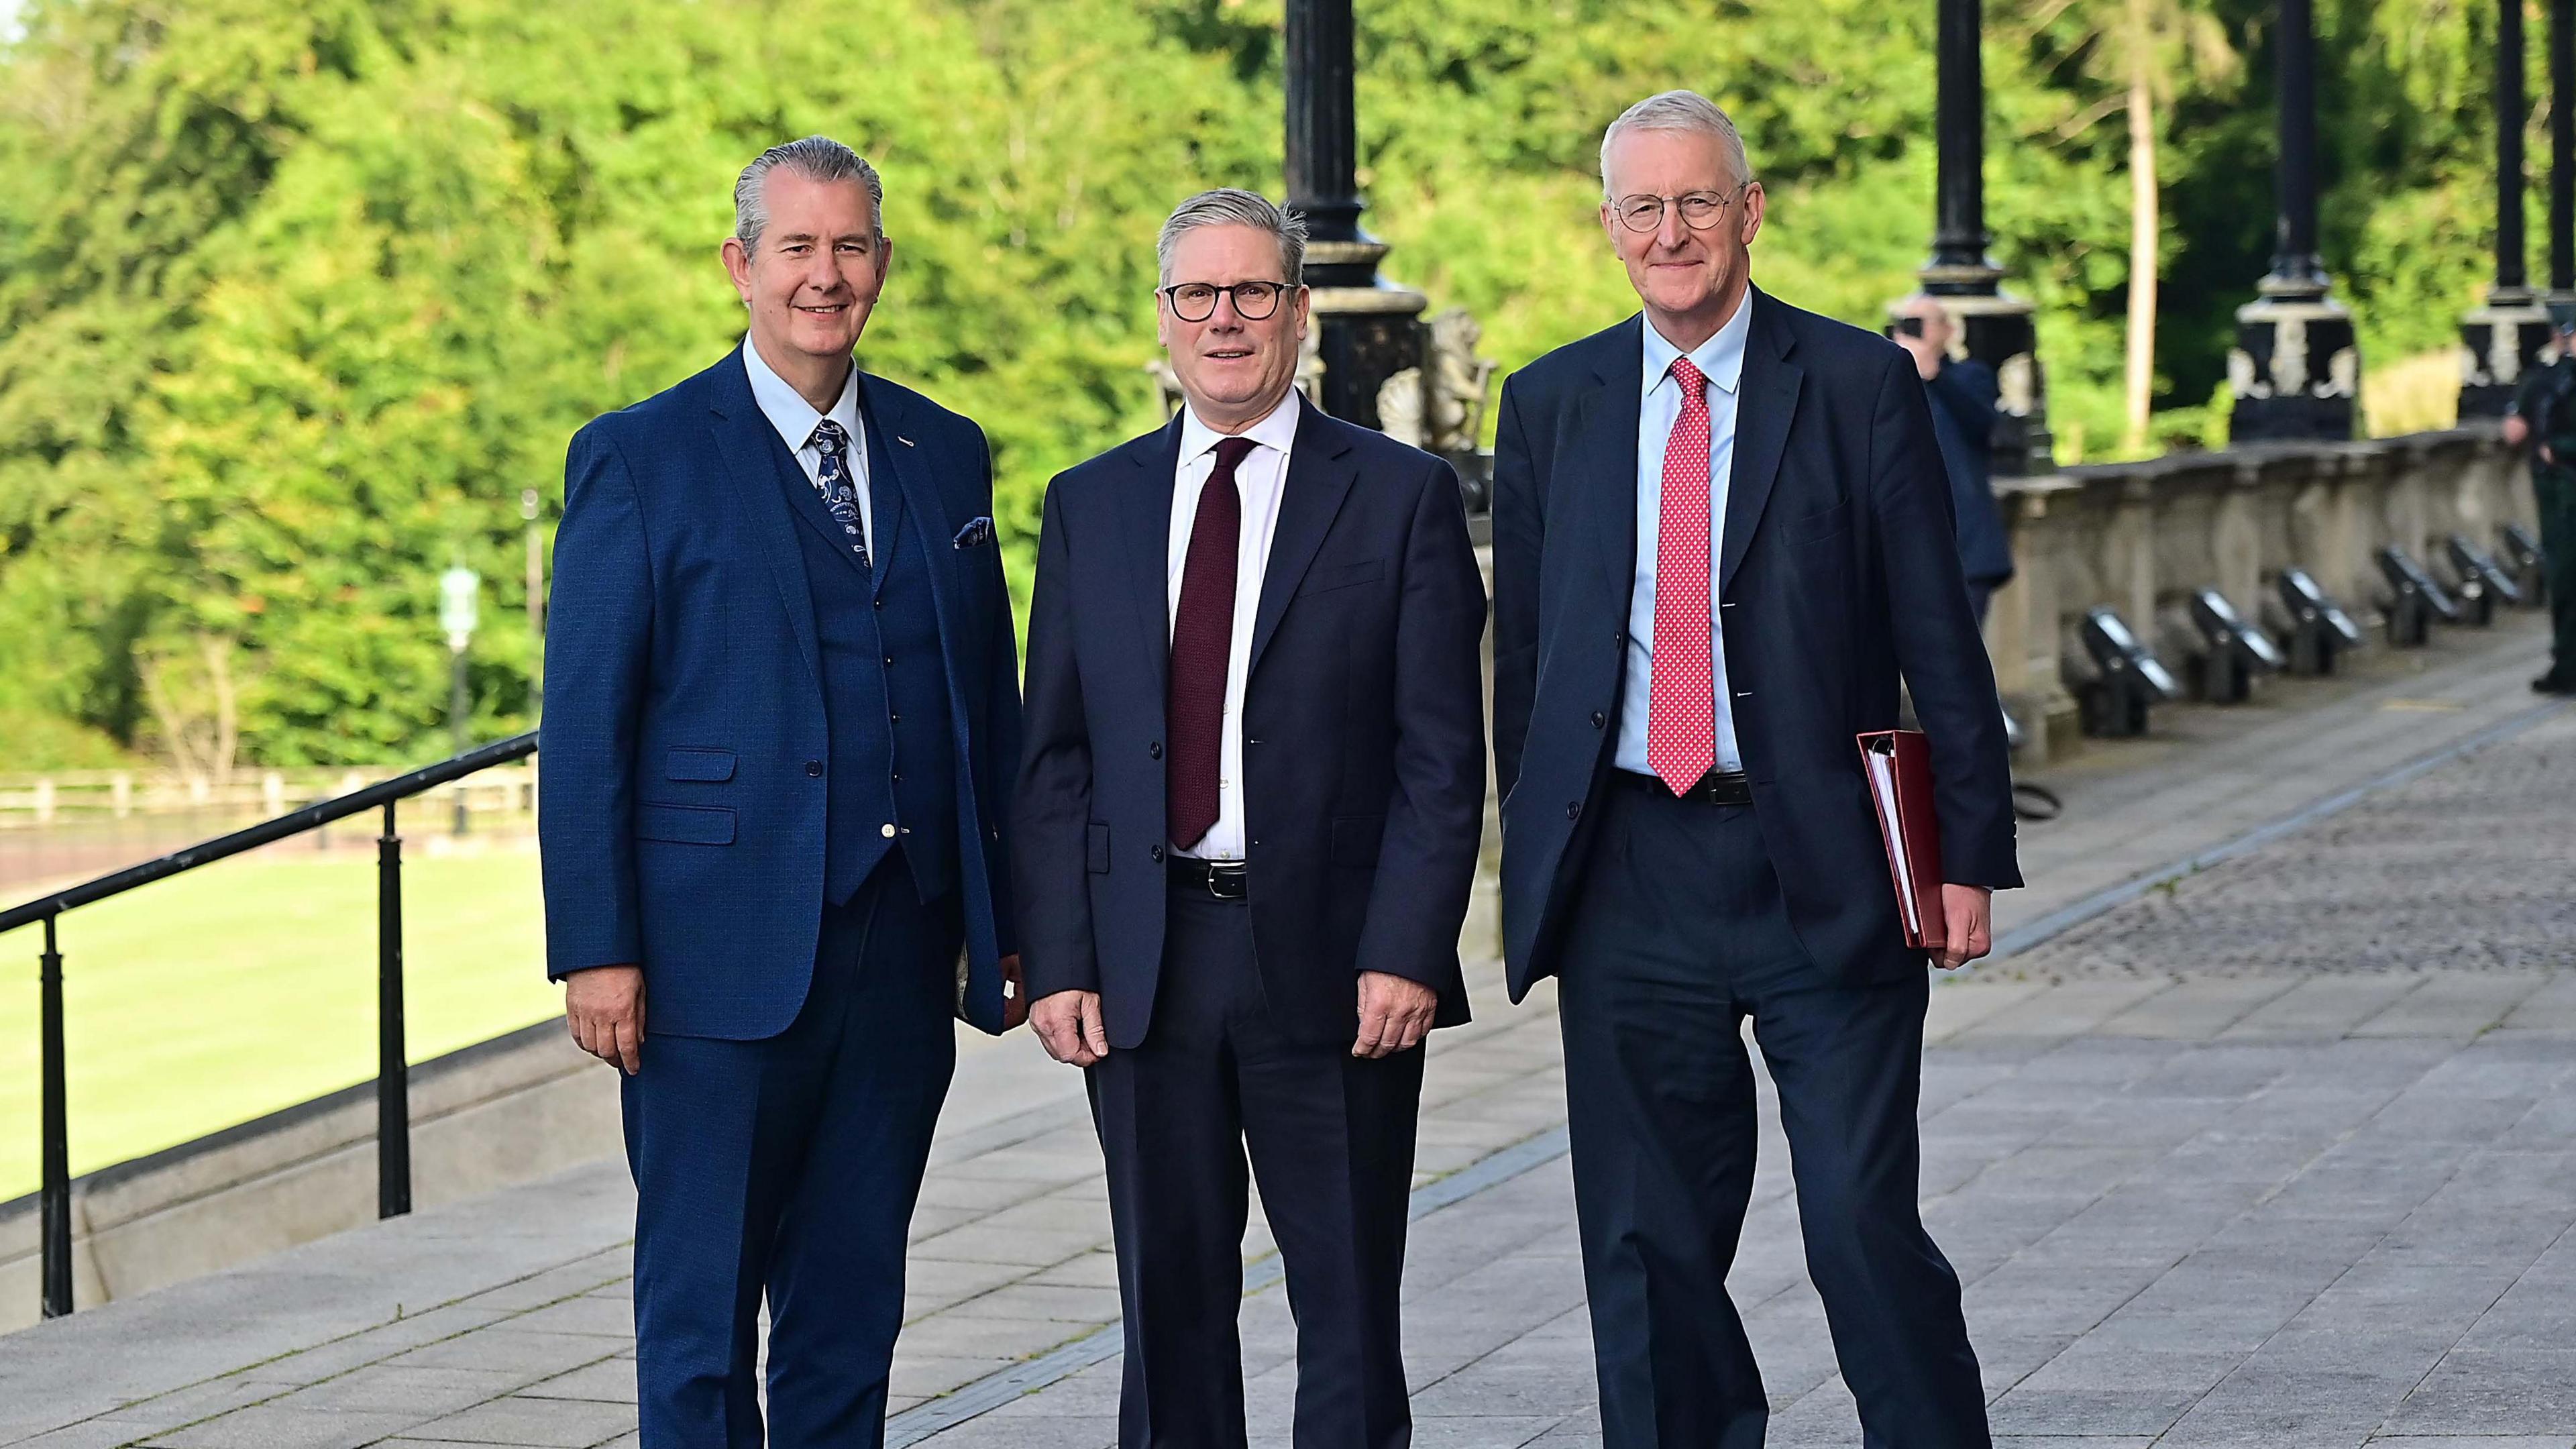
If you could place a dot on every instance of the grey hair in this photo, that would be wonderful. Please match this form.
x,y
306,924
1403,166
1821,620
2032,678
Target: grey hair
x,y
1227,206
1678,111
816,158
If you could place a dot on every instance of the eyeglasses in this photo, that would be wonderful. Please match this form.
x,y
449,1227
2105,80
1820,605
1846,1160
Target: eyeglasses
x,y
1700,209
1196,301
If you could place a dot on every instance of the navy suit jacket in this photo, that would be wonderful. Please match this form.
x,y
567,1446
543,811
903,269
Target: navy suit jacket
x,y
1837,572
1963,418
683,785
1364,780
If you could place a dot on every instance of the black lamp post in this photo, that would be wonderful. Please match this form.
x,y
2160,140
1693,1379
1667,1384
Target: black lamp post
x,y
2503,337
2562,150
1368,328
1995,327
2295,370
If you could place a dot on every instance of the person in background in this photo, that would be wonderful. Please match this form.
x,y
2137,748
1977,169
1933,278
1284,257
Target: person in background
x,y
1963,397
2543,414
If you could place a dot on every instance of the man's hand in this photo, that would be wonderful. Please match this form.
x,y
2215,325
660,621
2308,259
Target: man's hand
x,y
2517,430
604,1009
1395,1014
1015,993
1968,912
1069,1026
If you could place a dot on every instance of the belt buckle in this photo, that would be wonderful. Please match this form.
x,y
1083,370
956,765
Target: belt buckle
x,y
1216,878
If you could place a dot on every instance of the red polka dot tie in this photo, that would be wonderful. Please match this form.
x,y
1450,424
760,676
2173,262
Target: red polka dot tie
x,y
1681,703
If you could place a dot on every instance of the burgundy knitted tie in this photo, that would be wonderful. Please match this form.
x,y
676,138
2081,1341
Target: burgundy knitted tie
x,y
1202,640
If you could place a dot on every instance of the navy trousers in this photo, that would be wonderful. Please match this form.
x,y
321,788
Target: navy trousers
x,y
789,1167
1331,1139
1680,934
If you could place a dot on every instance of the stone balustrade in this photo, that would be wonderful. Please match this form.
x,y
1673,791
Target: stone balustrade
x,y
2143,537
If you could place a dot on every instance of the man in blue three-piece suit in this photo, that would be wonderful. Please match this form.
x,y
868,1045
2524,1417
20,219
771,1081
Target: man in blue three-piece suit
x,y
1722,534
781,719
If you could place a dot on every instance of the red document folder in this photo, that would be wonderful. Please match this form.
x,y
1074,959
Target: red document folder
x,y
1898,765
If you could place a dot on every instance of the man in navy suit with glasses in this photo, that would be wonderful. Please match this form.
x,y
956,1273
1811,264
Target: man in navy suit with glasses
x,y
1248,817
782,714
1722,535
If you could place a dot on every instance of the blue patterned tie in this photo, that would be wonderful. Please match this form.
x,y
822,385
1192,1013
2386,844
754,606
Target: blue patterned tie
x,y
833,482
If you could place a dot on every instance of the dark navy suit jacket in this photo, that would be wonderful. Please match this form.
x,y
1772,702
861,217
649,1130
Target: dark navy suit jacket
x,y
1963,419
1364,788
1837,572
684,786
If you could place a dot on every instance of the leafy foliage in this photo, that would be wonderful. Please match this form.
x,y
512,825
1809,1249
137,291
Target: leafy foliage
x,y
296,299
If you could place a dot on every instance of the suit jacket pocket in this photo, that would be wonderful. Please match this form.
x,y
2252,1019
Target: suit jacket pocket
x,y
684,824
1342,576
1821,525
1097,857
690,762
1355,838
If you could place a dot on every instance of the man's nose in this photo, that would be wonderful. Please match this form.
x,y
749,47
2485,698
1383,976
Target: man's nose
x,y
1670,229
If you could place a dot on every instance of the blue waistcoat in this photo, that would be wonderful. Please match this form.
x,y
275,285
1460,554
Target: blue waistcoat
x,y
885,692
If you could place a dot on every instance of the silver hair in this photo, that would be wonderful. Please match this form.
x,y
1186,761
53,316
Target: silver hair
x,y
1678,111
816,158
1227,206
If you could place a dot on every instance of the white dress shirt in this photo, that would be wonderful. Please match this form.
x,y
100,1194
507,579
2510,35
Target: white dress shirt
x,y
1262,479
794,418
1721,360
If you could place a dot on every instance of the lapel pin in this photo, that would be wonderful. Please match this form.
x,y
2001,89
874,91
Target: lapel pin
x,y
900,438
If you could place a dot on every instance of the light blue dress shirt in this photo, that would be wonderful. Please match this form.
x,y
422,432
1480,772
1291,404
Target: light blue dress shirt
x,y
1721,360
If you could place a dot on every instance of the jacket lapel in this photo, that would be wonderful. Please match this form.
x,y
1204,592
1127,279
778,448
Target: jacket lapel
x,y
1320,475
879,412
1145,526
916,493
743,439
1766,399
1602,445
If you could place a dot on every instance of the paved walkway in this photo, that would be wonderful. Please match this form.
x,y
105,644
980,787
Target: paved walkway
x,y
2281,1154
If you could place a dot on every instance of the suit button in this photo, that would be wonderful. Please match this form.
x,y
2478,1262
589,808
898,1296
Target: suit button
x,y
889,661
814,769
1157,853
886,830
880,603
1600,720
1154,750
1573,808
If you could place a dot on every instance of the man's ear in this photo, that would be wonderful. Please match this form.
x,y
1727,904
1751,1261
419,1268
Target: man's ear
x,y
737,265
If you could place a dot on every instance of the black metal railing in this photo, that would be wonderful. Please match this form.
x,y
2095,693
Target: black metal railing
x,y
393,1068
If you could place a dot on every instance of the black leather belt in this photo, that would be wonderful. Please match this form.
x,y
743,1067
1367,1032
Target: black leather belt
x,y
1221,879
1717,787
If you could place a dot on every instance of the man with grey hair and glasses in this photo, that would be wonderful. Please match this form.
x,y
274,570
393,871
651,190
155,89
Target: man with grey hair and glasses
x,y
1247,823
782,711
1743,525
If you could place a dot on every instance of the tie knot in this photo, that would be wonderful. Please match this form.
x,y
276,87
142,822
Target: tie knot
x,y
1230,453
1693,381
830,438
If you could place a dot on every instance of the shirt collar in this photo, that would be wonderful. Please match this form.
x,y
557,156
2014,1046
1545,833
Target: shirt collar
x,y
787,409
1275,431
1720,359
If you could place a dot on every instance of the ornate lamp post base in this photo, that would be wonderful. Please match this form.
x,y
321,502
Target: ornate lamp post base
x,y
1367,329
2296,369
2499,343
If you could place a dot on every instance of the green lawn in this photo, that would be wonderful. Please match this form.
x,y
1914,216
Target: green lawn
x,y
234,990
